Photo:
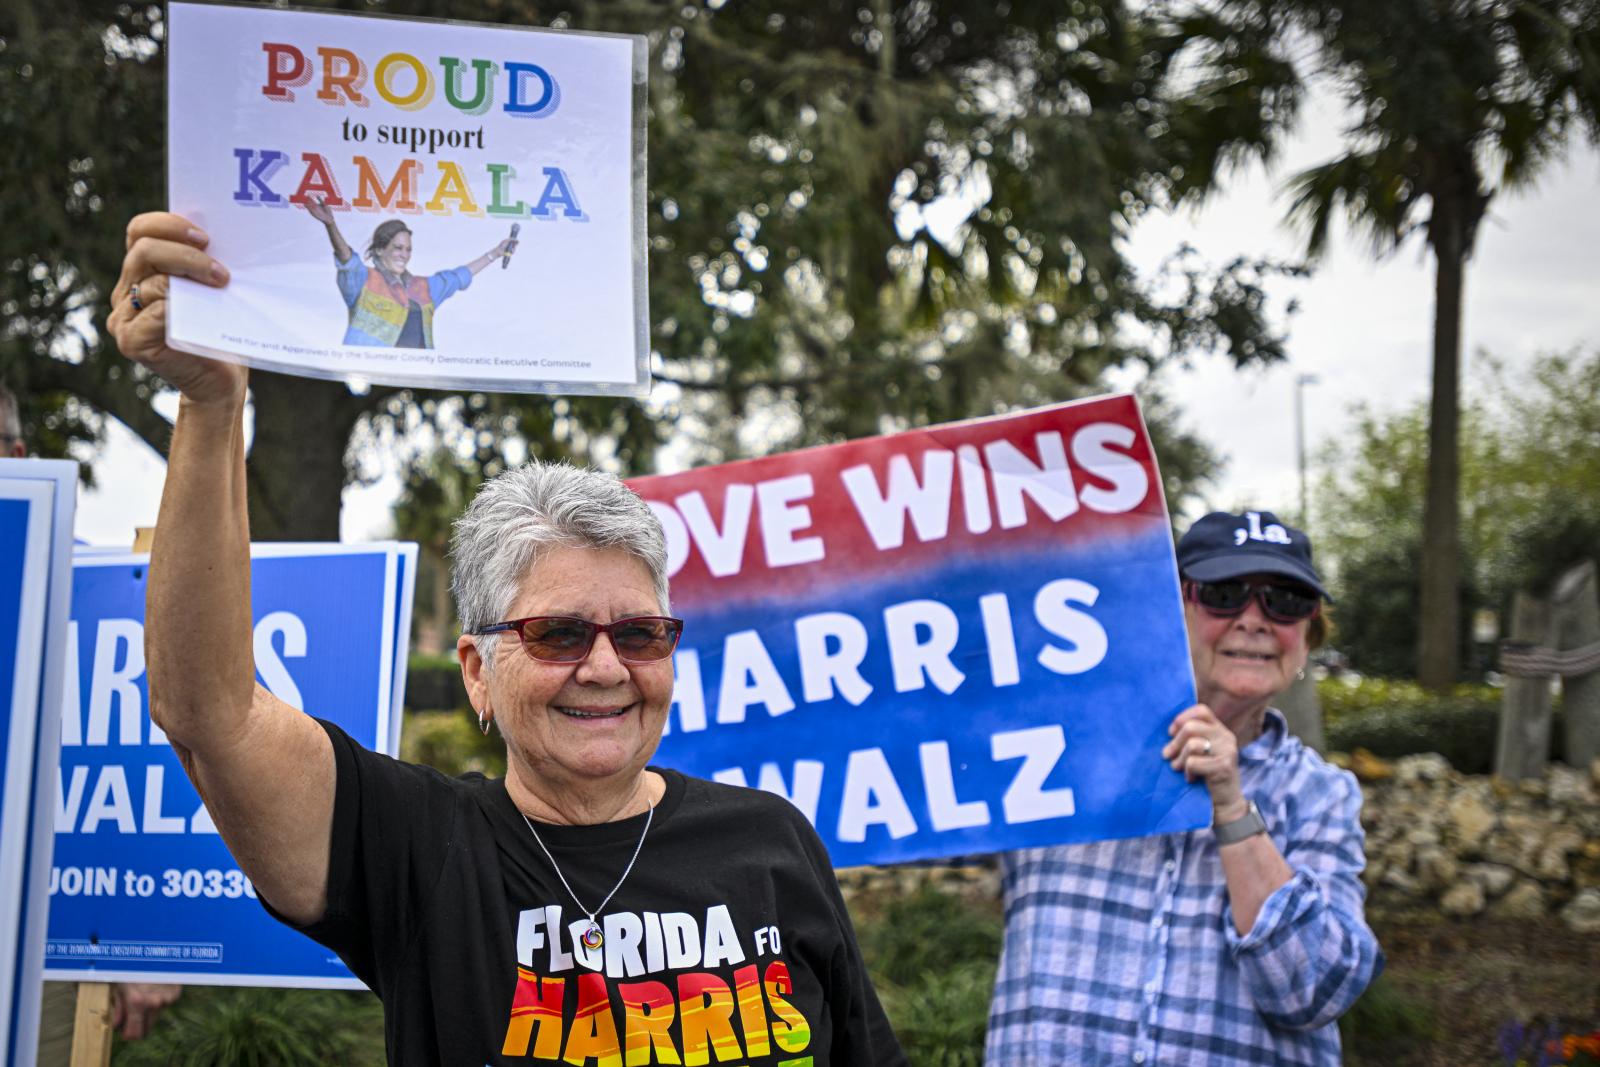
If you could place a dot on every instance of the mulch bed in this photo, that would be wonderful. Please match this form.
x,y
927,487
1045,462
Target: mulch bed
x,y
1471,978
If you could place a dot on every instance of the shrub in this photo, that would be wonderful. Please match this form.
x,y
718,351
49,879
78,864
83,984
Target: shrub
x,y
933,957
433,683
222,1027
1394,718
1385,1024
1341,699
942,1019
451,741
926,932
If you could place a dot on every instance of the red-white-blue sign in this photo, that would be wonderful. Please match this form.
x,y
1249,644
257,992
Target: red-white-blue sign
x,y
943,642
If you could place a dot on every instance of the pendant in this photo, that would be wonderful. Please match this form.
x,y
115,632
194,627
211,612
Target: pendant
x,y
592,938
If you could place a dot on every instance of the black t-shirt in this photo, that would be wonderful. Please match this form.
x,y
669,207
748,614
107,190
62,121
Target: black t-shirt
x,y
728,942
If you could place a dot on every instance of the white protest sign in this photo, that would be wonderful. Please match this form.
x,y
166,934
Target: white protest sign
x,y
361,177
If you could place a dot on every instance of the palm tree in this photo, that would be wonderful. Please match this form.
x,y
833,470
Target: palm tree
x,y
1454,101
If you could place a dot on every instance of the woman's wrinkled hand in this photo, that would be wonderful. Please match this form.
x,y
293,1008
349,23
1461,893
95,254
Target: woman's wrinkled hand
x,y
162,246
1203,748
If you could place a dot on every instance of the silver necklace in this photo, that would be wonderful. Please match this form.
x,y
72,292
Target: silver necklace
x,y
592,937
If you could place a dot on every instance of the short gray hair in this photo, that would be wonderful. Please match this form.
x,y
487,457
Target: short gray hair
x,y
519,513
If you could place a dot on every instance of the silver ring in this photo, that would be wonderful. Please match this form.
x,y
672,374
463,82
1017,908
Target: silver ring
x,y
1207,749
133,296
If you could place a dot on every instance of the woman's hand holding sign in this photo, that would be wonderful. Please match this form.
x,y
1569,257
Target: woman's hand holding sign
x,y
162,246
1203,748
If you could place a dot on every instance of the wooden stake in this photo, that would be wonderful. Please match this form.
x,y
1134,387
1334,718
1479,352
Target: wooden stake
x,y
91,1027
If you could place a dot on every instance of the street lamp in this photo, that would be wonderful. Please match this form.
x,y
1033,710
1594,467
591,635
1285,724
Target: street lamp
x,y
1300,382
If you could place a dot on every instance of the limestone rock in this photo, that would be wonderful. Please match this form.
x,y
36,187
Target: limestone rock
x,y
1582,914
1423,767
1525,900
1397,879
1491,877
1569,788
1552,866
1437,868
1470,821
1462,899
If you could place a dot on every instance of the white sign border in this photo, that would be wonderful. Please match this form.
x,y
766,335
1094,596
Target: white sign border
x,y
638,389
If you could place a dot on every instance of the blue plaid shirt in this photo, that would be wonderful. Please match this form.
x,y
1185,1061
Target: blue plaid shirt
x,y
1125,952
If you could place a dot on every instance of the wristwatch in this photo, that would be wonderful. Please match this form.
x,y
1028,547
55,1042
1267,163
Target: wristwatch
x,y
1247,825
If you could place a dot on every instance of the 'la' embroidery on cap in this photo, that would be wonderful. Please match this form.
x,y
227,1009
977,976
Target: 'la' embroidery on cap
x,y
1273,532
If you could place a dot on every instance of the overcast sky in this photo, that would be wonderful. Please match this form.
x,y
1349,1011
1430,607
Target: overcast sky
x,y
1363,329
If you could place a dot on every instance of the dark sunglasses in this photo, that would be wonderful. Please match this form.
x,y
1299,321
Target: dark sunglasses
x,y
562,639
1280,602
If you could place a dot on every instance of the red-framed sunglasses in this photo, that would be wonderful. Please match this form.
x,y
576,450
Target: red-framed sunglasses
x,y
563,639
1284,602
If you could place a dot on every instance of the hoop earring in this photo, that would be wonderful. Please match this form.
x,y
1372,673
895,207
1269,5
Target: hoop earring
x,y
485,717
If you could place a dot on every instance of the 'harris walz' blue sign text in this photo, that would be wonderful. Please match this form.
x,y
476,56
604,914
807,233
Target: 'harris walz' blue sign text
x,y
142,884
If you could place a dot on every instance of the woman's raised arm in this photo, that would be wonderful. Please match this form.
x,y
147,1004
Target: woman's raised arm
x,y
265,770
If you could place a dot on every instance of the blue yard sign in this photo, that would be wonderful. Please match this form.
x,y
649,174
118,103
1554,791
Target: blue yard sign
x,y
142,885
37,498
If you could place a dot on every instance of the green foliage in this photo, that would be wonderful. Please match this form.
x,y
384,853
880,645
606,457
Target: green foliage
x,y
933,957
1342,701
1530,459
1386,1024
942,1019
1400,718
451,742
222,1027
433,682
925,933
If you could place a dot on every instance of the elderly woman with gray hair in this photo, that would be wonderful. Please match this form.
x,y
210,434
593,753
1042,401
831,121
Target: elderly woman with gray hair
x,y
586,907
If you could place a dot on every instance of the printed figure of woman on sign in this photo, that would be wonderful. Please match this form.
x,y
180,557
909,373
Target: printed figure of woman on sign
x,y
389,306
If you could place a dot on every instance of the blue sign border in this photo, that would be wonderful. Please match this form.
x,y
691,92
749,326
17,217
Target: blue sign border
x,y
381,730
48,490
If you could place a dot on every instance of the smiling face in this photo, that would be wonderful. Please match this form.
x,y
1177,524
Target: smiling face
x,y
1242,661
574,726
396,254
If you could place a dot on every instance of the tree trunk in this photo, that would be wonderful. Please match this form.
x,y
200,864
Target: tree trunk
x,y
1439,627
296,464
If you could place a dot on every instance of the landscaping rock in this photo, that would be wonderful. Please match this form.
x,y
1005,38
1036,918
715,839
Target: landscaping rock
x,y
1424,767
1582,914
1491,877
1437,869
1470,822
1462,899
1395,878
1525,900
1570,788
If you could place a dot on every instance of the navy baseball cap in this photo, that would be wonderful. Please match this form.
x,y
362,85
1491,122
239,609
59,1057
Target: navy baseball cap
x,y
1221,546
